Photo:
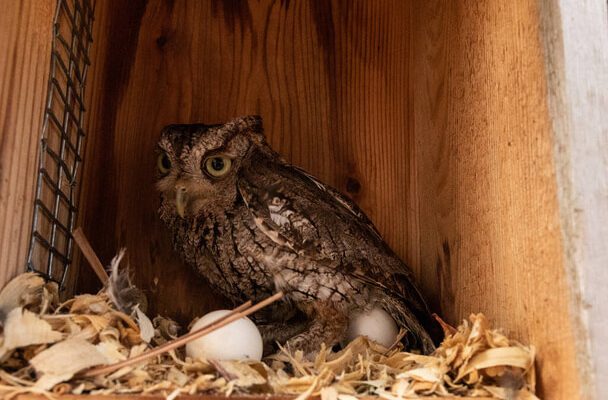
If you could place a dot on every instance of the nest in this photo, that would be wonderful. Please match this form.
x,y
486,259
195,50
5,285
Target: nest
x,y
45,347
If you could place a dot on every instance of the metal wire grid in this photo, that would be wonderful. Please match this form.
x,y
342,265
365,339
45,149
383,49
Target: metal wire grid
x,y
55,204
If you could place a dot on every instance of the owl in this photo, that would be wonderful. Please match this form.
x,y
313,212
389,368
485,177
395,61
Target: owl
x,y
252,224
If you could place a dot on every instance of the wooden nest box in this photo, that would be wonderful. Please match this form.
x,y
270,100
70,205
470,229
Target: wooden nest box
x,y
471,134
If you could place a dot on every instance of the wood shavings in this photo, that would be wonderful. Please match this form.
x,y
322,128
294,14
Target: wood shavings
x,y
240,373
112,351
473,360
88,304
28,291
146,329
23,328
61,361
16,290
165,329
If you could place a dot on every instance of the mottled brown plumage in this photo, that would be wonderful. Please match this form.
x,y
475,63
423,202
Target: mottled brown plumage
x,y
253,224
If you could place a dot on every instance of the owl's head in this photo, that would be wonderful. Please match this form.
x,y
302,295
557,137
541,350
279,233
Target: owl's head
x,y
198,165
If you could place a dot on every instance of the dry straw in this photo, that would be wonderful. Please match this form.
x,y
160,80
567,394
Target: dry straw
x,y
90,345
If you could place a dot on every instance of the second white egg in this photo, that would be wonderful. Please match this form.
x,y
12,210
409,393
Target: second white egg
x,y
376,324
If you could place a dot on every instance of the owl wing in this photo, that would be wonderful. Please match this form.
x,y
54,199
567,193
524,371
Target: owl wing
x,y
296,210
344,201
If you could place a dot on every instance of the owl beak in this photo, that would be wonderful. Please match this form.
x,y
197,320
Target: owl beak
x,y
181,200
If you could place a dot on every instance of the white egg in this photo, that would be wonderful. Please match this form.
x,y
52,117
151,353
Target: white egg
x,y
238,340
376,324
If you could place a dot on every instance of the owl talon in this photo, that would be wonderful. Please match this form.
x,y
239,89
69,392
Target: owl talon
x,y
279,333
321,330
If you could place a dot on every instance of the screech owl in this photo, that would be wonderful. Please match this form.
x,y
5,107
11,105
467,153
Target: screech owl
x,y
252,224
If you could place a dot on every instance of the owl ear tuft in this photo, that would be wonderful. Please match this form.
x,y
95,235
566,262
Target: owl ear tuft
x,y
254,123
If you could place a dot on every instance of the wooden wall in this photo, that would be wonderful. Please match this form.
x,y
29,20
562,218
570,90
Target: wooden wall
x,y
25,50
488,210
430,114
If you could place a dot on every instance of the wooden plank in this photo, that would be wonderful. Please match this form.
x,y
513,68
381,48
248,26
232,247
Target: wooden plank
x,y
25,29
329,78
575,39
488,209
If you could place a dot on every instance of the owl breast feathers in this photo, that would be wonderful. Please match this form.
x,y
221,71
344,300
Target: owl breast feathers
x,y
253,224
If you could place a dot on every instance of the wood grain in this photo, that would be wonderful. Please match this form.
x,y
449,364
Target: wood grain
x,y
488,210
25,48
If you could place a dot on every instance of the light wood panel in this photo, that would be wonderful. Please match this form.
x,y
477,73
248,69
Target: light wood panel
x,y
25,48
488,211
329,79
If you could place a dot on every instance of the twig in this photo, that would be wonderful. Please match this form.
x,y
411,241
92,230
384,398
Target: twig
x,y
239,312
89,254
448,329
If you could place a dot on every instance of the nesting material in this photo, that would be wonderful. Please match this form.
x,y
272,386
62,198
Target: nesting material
x,y
23,328
474,360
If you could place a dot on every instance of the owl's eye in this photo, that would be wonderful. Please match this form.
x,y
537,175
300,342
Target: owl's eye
x,y
217,166
163,163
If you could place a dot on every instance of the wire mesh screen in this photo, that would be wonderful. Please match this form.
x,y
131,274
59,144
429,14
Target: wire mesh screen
x,y
61,144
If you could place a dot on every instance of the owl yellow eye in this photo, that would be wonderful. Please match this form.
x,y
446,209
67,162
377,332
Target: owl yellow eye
x,y
218,166
163,163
